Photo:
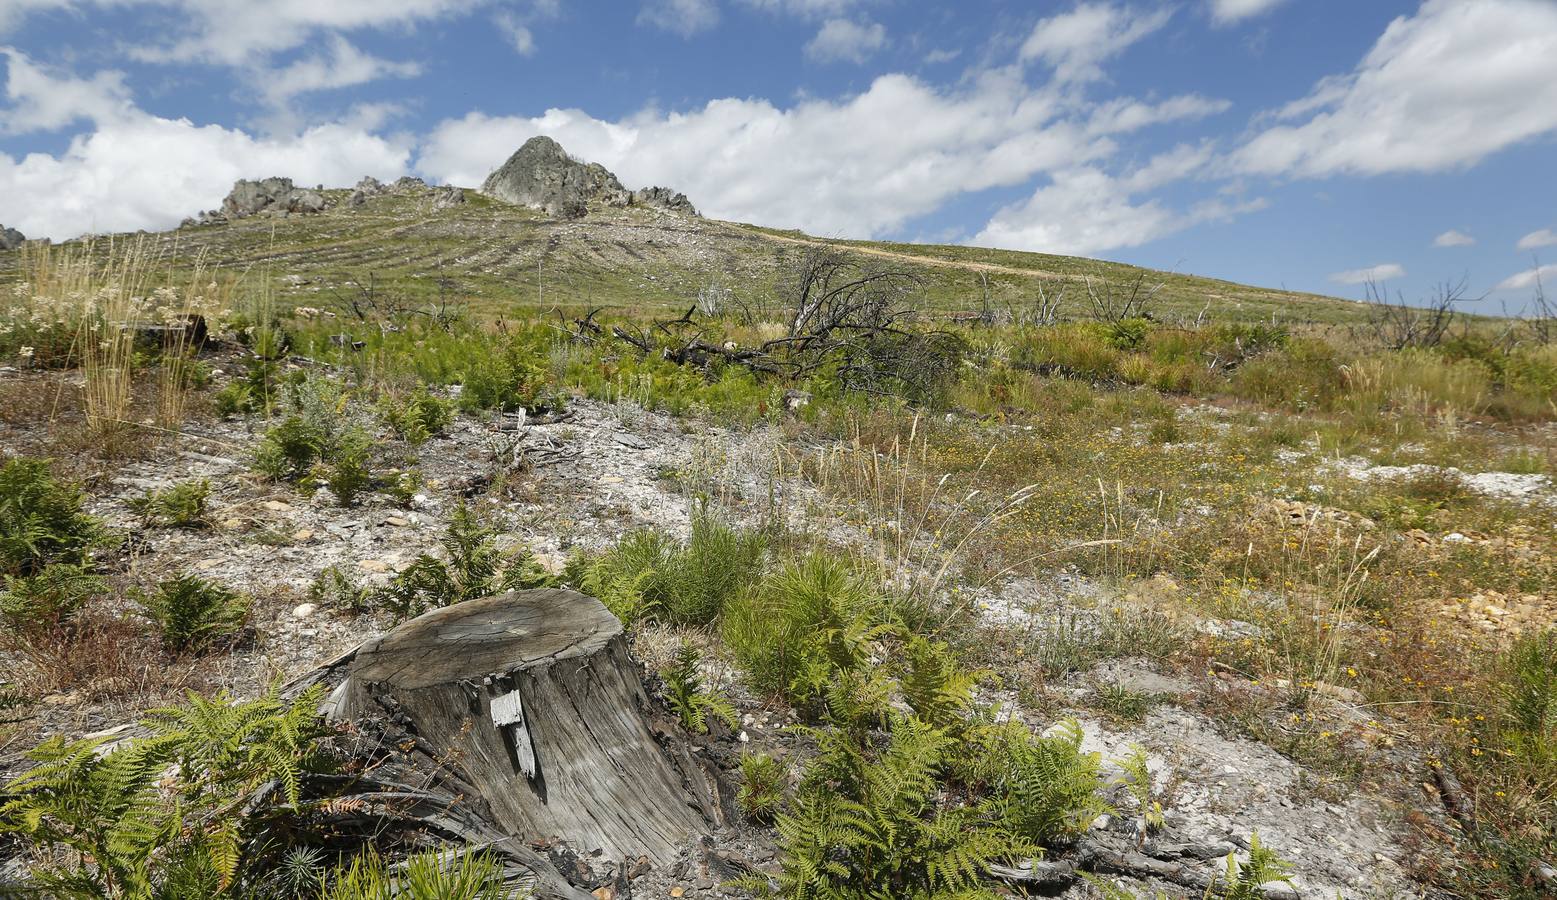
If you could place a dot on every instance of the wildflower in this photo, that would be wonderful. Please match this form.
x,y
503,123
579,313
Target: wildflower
x,y
1351,672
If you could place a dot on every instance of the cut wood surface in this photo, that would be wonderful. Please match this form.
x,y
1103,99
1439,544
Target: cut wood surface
x,y
531,700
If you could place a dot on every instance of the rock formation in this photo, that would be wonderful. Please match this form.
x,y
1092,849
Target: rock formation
x,y
10,238
543,176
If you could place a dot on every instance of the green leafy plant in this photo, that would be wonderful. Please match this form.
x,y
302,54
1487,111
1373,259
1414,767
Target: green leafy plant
x,y
403,487
1529,693
49,599
506,378
650,575
183,505
761,793
128,837
291,448
1049,787
347,468
1123,703
191,613
424,876
1138,778
1244,880
691,700
866,823
335,588
801,626
419,417
475,568
40,519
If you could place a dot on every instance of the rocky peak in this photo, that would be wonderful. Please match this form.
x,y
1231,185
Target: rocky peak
x,y
271,196
10,238
542,175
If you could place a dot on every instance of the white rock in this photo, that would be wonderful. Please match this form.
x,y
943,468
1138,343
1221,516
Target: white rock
x,y
304,610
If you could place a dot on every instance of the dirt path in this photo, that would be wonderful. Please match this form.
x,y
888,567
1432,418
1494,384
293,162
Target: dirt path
x,y
917,258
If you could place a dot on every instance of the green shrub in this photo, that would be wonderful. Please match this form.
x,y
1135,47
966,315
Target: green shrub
x,y
761,793
648,574
32,603
347,471
1529,693
689,699
475,568
417,418
183,505
509,377
191,613
1246,880
801,626
290,450
336,589
41,521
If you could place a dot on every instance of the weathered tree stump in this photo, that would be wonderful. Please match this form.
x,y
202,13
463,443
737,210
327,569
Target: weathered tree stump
x,y
531,701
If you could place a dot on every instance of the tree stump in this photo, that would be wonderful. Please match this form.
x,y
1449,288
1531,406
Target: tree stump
x,y
531,701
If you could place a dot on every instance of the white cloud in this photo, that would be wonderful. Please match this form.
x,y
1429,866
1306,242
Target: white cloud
x,y
684,17
1440,90
1528,279
1127,114
936,57
1084,210
860,165
518,23
1454,238
841,40
45,100
143,171
1076,43
806,9
345,66
1372,274
1537,239
12,12
1228,12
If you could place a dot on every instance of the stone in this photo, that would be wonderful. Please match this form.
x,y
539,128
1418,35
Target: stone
x,y
10,238
277,505
542,175
304,610
448,196
270,196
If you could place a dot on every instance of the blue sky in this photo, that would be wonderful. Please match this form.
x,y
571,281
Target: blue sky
x,y
1300,143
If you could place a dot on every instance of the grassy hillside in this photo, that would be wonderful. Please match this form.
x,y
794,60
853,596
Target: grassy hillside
x,y
502,257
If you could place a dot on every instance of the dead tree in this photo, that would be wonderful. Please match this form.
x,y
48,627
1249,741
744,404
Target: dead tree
x,y
1112,305
1397,325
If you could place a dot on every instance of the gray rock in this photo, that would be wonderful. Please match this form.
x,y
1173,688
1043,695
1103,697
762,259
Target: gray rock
x,y
270,196
448,196
543,176
10,238
407,184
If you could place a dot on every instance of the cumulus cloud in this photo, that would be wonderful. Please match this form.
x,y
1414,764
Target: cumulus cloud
x,y
1229,12
1535,240
144,171
518,23
43,99
1441,89
1381,272
684,17
1528,279
841,40
1454,238
860,165
1076,44
1084,210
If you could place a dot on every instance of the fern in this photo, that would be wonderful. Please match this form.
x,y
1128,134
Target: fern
x,y
40,519
192,613
135,835
182,505
686,695
1049,787
866,824
1243,881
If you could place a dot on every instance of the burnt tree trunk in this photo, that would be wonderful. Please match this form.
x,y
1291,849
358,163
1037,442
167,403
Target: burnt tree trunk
x,y
531,702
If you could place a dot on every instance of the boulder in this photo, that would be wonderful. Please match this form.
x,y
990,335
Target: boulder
x,y
542,175
10,238
270,196
448,196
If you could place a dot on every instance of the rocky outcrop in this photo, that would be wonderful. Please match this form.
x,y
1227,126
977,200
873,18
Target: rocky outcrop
x,y
271,196
10,238
543,176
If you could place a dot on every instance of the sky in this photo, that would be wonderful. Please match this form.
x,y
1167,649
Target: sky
x,y
1309,144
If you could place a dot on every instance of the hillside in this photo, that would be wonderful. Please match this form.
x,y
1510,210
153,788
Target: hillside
x,y
501,256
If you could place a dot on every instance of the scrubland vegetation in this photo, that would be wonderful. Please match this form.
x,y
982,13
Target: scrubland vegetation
x,y
1207,479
